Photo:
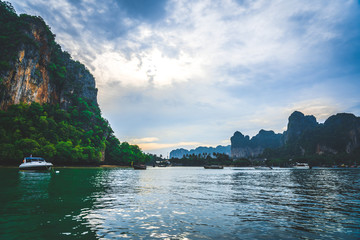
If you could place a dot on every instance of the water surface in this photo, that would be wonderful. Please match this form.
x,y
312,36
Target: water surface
x,y
180,203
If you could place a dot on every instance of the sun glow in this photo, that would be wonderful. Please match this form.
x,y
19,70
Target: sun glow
x,y
148,67
162,70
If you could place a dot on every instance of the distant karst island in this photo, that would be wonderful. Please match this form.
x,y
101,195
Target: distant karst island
x,y
334,142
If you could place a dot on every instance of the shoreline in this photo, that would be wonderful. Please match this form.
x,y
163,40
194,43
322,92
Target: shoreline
x,y
70,166
129,167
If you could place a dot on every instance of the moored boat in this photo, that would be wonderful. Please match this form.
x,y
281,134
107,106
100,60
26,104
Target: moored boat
x,y
139,167
213,167
35,163
301,166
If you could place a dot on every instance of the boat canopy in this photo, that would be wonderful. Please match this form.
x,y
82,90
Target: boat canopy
x,y
30,159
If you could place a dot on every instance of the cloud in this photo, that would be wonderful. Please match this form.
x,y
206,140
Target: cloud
x,y
152,144
320,108
160,146
144,140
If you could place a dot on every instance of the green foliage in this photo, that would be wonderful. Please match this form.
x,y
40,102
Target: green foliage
x,y
28,146
12,34
8,7
65,151
62,137
48,151
123,153
47,131
9,152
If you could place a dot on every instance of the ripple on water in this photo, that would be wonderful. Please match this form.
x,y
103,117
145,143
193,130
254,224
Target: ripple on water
x,y
193,203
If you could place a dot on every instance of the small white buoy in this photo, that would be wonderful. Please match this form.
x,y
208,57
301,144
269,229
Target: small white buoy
x,y
57,171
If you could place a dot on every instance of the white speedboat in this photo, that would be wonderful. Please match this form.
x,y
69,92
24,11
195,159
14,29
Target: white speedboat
x,y
35,163
263,168
301,166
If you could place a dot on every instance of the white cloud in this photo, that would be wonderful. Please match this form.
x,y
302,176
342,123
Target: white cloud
x,y
144,140
159,146
320,108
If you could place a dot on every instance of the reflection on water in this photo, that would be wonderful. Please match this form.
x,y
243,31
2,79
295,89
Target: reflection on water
x,y
182,203
43,205
34,185
195,203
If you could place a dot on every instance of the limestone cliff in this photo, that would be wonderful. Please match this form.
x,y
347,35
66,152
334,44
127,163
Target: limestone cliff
x,y
244,147
36,69
298,124
339,134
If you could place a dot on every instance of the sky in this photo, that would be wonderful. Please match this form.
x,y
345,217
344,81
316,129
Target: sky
x,y
184,73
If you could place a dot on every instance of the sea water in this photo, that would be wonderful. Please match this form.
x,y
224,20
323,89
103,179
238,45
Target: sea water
x,y
180,203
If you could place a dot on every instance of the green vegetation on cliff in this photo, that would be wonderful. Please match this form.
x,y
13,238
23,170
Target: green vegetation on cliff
x,y
11,34
14,32
79,136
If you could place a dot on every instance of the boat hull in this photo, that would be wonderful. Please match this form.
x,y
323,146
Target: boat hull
x,y
301,166
296,167
139,167
36,168
35,164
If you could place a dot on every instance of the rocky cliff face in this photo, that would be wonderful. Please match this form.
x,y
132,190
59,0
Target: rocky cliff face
x,y
244,147
40,71
340,133
298,124
304,136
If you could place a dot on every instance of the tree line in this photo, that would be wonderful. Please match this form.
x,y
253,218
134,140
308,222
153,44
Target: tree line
x,y
78,136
